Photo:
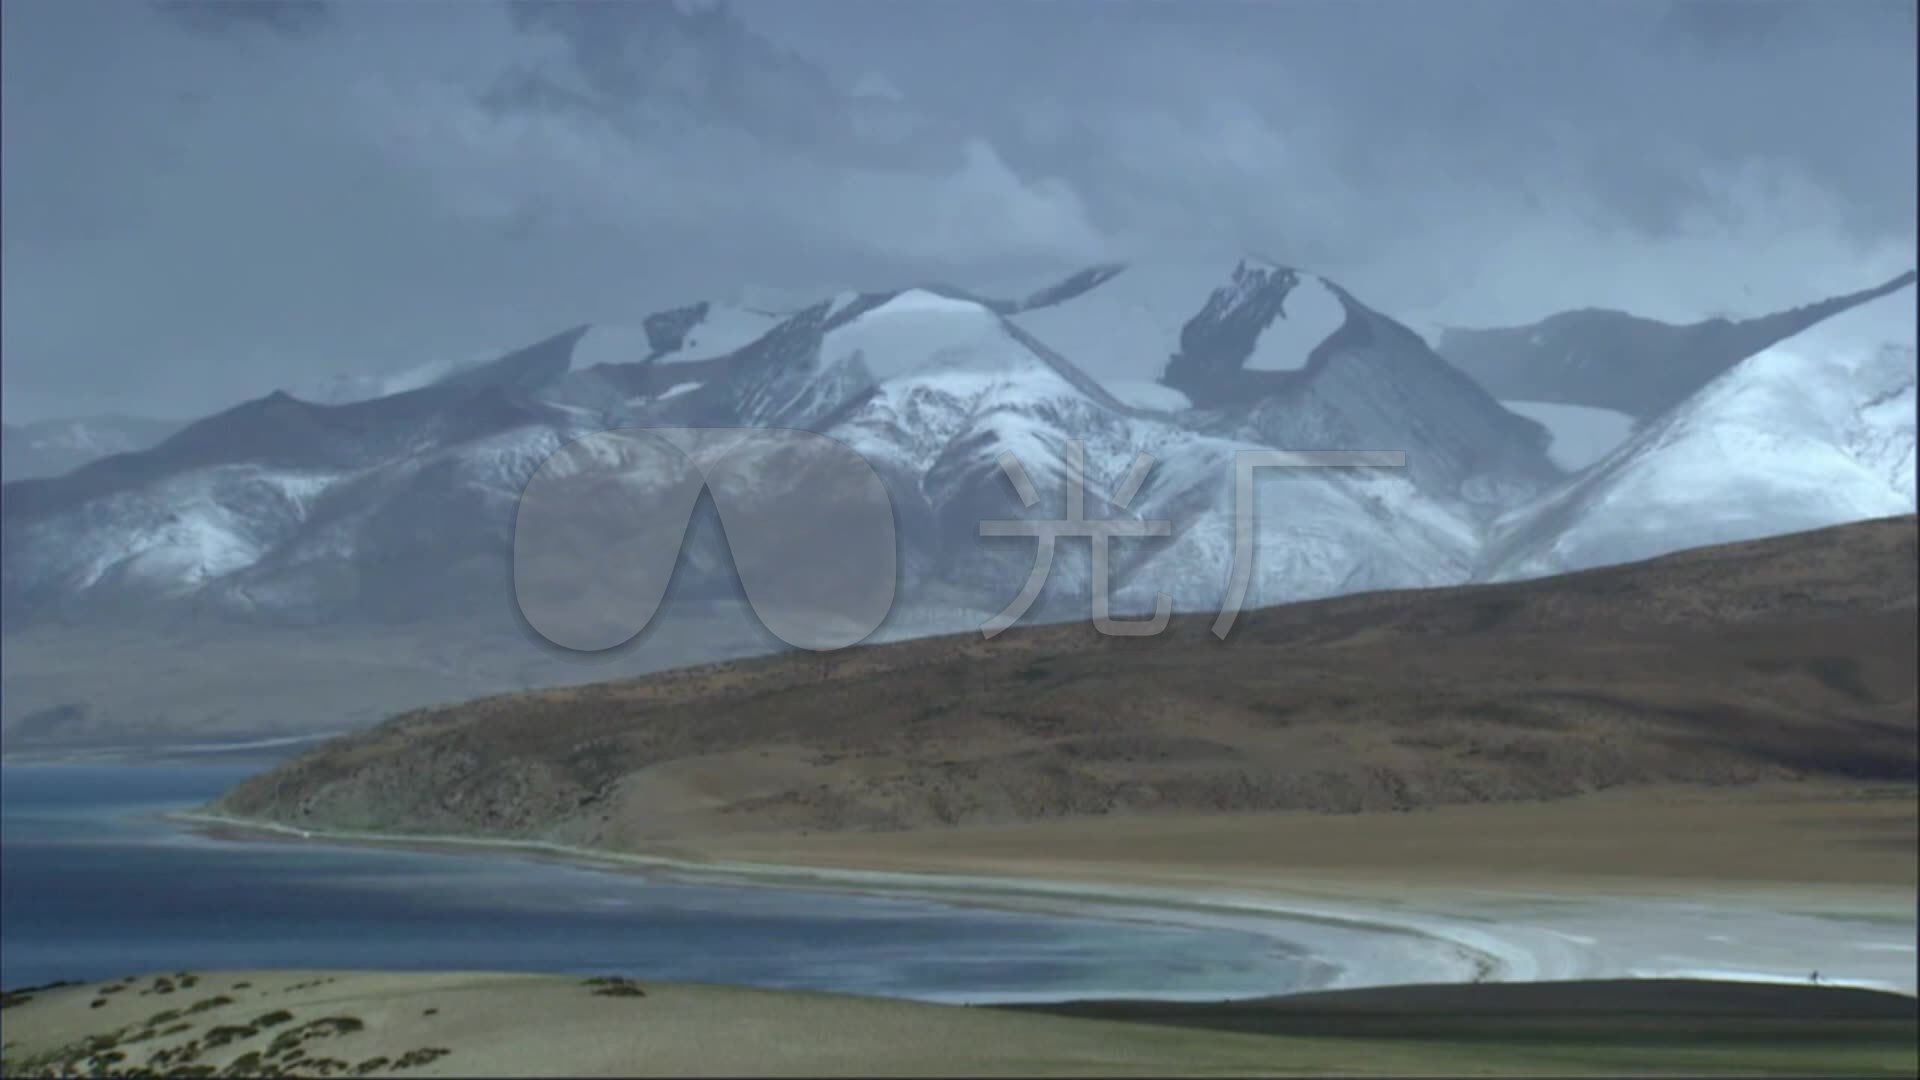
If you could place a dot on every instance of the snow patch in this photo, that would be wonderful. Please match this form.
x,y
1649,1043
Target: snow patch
x,y
1310,315
610,344
1127,327
1581,434
841,300
725,329
1818,430
920,330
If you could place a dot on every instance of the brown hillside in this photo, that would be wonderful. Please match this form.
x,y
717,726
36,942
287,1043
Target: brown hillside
x,y
1778,659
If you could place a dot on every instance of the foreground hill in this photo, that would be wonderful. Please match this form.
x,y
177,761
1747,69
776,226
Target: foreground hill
x,y
1778,659
291,1023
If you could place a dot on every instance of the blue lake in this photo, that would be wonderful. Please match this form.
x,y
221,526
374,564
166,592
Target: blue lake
x,y
93,885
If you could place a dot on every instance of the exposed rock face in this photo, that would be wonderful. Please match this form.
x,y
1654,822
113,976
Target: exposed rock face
x,y
1354,380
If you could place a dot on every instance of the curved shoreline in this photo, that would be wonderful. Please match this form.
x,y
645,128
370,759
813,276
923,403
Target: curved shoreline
x,y
1346,945
1350,941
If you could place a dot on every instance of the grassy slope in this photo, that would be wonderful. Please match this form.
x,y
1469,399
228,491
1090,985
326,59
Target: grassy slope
x,y
1781,659
302,1023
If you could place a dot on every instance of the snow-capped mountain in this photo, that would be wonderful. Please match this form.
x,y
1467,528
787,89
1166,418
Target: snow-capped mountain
x,y
1282,357
402,504
1815,430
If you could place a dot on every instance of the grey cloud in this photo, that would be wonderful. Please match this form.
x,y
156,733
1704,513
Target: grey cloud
x,y
192,217
227,16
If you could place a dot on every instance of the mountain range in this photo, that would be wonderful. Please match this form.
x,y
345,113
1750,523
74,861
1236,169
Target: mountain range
x,y
393,502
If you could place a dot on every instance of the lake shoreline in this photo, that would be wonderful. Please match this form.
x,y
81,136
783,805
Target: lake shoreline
x,y
101,879
1341,946
1355,935
1345,944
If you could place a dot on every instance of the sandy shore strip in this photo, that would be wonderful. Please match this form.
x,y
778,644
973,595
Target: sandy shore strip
x,y
1361,933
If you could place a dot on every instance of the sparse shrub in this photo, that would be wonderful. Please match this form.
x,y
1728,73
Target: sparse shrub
x,y
615,986
336,1025
422,1056
619,990
226,1033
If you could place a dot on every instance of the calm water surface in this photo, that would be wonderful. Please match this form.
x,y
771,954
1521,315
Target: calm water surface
x,y
92,886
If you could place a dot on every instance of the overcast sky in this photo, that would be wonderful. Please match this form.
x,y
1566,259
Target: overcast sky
x,y
203,203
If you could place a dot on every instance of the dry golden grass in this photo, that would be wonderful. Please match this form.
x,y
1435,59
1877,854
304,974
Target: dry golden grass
x,y
1826,838
1779,660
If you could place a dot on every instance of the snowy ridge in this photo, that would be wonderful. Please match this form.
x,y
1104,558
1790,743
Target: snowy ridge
x,y
404,504
1815,431
920,330
179,534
